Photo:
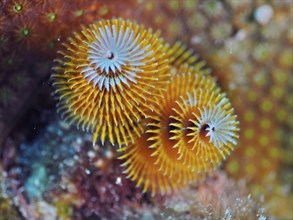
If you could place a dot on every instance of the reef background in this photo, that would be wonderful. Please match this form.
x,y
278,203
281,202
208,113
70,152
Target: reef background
x,y
50,170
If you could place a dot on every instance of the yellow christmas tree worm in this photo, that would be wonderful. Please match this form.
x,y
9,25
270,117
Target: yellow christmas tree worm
x,y
191,130
108,76
171,131
205,127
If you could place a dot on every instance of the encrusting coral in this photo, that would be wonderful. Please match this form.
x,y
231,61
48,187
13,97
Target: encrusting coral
x,y
108,77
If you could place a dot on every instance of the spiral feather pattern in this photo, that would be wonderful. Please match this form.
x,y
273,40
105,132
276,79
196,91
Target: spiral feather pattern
x,y
108,76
